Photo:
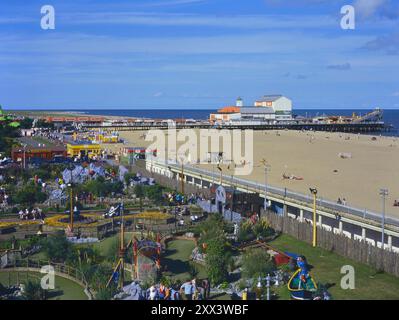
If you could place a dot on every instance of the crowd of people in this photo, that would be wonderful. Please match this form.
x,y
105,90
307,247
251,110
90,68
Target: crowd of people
x,y
34,214
190,290
3,197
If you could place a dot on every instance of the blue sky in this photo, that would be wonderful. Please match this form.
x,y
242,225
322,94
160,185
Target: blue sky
x,y
198,54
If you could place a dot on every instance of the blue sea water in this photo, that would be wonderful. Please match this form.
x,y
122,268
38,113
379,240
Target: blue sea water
x,y
391,117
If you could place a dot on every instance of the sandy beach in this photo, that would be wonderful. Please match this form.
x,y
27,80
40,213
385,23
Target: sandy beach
x,y
315,157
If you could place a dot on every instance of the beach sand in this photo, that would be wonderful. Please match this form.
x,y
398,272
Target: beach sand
x,y
314,156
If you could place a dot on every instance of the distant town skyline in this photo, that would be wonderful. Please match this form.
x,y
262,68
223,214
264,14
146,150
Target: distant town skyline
x,y
198,54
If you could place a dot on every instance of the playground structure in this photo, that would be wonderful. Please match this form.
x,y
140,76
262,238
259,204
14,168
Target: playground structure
x,y
146,248
114,211
301,285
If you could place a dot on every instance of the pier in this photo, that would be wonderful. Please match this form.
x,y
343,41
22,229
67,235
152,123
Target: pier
x,y
368,127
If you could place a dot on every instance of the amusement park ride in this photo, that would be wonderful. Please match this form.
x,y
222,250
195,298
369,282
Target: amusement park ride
x,y
147,248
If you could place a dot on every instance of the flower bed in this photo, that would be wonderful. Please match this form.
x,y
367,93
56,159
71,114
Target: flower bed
x,y
151,217
56,222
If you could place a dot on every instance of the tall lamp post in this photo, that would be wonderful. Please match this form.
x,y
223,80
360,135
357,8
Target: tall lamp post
x,y
314,192
232,197
267,169
182,174
268,278
70,185
383,194
71,206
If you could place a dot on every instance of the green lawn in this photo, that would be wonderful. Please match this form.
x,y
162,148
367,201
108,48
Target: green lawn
x,y
177,257
64,289
369,285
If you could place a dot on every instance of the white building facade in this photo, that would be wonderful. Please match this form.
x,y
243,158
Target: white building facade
x,y
282,106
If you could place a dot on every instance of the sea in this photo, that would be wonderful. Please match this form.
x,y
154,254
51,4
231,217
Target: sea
x,y
391,117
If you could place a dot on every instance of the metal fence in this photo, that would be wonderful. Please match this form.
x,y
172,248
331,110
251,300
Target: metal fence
x,y
360,251
285,193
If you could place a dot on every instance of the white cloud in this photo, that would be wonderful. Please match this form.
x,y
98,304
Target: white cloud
x,y
367,8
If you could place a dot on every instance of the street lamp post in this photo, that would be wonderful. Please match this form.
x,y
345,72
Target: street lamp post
x,y
259,289
182,178
24,153
70,185
267,169
268,278
232,198
314,192
383,194
71,206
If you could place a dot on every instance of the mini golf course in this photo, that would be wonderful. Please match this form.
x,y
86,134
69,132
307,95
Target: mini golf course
x,y
326,269
177,259
64,289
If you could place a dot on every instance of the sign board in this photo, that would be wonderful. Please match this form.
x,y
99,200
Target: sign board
x,y
221,194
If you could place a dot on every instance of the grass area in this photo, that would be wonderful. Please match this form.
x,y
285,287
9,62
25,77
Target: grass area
x,y
177,260
64,289
369,284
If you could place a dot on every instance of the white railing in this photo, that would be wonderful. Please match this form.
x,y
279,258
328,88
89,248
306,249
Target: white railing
x,y
287,194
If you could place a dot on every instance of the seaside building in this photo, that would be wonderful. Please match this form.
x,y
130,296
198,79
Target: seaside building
x,y
269,109
37,151
258,114
83,148
281,106
228,113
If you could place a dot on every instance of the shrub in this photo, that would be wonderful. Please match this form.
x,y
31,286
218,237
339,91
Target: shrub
x,y
257,263
217,260
58,248
34,291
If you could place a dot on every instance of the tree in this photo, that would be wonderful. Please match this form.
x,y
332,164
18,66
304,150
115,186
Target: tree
x,y
128,177
217,260
257,263
59,249
210,229
30,194
139,192
154,193
34,291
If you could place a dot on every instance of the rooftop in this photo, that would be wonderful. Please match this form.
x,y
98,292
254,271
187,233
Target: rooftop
x,y
81,142
255,110
270,98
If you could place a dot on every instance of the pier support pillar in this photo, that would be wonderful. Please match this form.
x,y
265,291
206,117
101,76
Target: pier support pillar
x,y
340,227
389,242
320,220
301,215
364,234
